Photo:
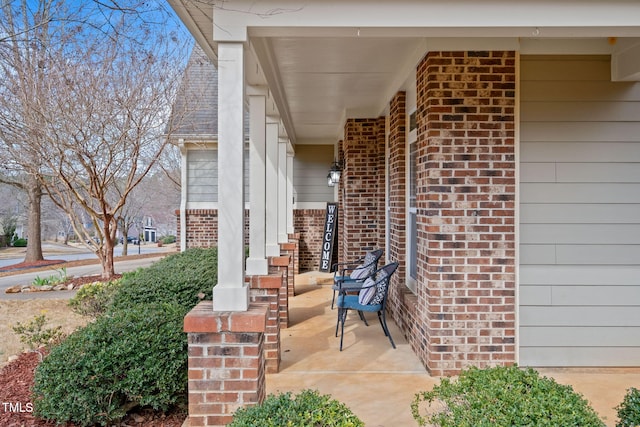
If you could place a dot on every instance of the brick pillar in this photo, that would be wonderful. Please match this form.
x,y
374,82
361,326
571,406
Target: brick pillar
x,y
294,238
226,362
362,181
340,238
397,200
290,249
466,217
280,264
381,201
266,289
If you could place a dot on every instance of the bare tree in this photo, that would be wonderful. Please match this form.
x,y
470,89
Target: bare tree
x,y
30,31
94,127
105,132
21,59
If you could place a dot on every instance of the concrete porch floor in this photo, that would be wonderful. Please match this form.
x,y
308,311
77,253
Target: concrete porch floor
x,y
377,382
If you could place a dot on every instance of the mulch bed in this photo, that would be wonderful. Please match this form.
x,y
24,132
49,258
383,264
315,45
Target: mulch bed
x,y
31,265
47,264
16,380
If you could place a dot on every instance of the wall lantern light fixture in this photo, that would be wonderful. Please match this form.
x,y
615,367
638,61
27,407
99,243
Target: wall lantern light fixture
x,y
330,182
334,174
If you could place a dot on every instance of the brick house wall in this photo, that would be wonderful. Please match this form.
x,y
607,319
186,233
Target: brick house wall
x,y
362,188
202,228
309,223
202,232
466,216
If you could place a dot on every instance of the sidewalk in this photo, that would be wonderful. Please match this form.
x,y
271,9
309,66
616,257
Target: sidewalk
x,y
377,382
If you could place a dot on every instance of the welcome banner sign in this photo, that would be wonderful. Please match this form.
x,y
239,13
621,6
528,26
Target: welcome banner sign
x,y
328,237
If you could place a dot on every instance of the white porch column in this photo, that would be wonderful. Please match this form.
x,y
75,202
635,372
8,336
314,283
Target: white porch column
x,y
231,293
271,191
283,237
290,228
257,262
184,194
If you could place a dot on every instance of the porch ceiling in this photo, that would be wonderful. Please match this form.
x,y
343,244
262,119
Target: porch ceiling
x,y
324,80
318,75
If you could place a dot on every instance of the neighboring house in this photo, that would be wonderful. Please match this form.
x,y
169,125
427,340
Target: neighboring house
x,y
492,148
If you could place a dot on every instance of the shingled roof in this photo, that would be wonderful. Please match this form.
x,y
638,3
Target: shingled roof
x,y
195,110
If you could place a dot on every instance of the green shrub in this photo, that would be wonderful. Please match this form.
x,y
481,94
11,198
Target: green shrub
x,y
20,243
94,298
133,357
167,240
307,409
35,335
629,409
503,396
183,278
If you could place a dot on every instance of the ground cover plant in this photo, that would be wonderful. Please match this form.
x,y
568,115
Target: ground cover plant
x,y
135,352
502,396
52,280
306,409
93,299
629,409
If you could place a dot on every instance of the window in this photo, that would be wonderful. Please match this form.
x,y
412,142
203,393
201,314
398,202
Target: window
x,y
412,231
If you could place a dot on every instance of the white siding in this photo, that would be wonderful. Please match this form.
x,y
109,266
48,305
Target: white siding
x,y
202,177
310,168
579,214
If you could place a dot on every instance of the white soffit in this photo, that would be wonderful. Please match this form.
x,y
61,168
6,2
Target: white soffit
x,y
325,61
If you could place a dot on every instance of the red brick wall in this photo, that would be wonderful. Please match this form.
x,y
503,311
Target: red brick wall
x,y
202,232
397,200
309,224
339,242
402,302
202,228
466,216
362,188
226,368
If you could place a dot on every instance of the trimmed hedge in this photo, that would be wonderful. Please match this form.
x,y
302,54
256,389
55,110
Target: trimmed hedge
x,y
307,409
503,396
135,353
184,278
130,358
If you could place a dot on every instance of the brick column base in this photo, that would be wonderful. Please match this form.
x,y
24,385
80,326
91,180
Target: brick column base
x,y
226,362
266,289
280,265
290,249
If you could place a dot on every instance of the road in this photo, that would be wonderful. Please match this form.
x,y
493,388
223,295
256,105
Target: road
x,y
73,253
85,270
